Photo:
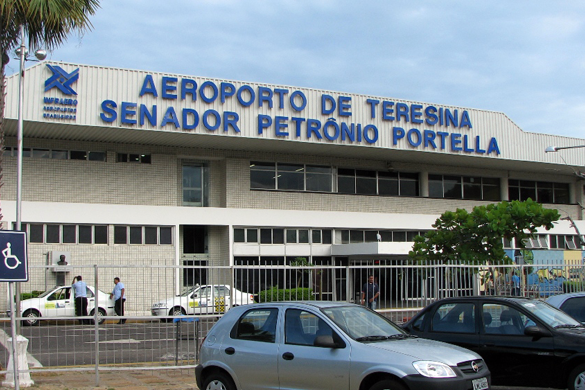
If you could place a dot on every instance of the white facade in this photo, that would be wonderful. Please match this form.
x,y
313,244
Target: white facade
x,y
111,113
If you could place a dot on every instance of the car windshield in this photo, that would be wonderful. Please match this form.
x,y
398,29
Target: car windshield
x,y
188,291
550,315
362,324
45,293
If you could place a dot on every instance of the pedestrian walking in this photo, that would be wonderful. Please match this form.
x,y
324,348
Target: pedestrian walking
x,y
370,293
119,296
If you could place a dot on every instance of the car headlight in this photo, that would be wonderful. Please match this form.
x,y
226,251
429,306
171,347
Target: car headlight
x,y
434,369
158,305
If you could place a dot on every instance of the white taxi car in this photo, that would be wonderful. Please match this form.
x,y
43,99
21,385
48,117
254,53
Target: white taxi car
x,y
59,302
208,299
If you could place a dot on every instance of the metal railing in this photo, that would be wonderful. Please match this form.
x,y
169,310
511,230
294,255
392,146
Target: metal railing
x,y
58,342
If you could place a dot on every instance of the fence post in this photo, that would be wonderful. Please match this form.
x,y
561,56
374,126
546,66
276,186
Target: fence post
x,y
347,285
96,325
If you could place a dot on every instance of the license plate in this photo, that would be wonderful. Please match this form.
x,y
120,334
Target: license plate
x,y
480,384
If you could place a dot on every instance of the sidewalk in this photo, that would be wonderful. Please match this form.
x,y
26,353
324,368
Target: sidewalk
x,y
128,380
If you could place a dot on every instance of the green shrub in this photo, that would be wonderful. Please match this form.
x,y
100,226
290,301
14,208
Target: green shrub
x,y
276,294
570,286
32,294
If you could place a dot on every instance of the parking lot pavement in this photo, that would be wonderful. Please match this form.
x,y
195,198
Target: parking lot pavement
x,y
119,379
135,380
518,388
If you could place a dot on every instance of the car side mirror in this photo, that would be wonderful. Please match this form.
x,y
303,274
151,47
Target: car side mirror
x,y
325,342
328,341
536,331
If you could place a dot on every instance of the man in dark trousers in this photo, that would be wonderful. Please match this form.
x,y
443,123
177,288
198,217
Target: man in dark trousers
x,y
370,293
119,298
80,290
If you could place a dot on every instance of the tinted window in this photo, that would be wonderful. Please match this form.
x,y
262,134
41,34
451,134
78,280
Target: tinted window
x,y
256,325
575,307
302,327
454,318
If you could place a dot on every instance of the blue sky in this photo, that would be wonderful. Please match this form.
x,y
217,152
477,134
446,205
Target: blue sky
x,y
525,58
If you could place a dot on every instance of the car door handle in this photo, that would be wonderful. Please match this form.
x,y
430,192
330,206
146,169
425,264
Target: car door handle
x,y
288,356
230,350
489,345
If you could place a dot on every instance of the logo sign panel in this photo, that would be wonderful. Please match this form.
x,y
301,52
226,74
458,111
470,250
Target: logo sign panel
x,y
13,256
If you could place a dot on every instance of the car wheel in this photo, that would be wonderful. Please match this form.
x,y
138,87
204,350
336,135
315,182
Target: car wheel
x,y
388,384
101,315
31,317
577,378
177,311
218,381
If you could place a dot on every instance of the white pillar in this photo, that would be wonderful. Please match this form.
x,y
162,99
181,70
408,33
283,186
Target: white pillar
x,y
24,379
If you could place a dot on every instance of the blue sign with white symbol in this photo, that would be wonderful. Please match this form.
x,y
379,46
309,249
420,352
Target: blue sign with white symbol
x,y
61,80
13,257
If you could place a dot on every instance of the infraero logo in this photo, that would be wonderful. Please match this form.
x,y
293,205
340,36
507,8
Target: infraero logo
x,y
61,80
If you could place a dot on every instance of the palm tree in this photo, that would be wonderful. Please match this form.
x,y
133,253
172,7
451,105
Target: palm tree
x,y
46,23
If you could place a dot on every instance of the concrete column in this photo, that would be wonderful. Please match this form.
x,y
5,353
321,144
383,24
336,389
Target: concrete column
x,y
504,195
24,379
424,184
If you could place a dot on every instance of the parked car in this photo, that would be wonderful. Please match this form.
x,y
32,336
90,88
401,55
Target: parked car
x,y
208,299
328,345
525,342
60,302
571,303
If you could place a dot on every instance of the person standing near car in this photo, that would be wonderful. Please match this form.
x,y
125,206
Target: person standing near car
x,y
515,284
118,294
80,291
370,293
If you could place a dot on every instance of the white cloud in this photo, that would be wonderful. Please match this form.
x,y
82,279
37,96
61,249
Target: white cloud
x,y
525,58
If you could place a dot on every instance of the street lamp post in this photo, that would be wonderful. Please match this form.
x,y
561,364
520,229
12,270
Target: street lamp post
x,y
14,290
551,149
554,149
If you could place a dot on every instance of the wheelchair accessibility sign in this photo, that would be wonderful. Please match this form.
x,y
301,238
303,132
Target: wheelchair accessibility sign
x,y
13,257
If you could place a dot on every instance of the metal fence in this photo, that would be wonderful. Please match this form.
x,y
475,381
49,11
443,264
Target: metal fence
x,y
57,341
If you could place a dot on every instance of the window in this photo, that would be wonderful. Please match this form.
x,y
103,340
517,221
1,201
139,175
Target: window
x,y
87,155
133,158
66,234
69,234
239,235
143,235
318,178
165,235
542,192
57,154
502,320
464,187
263,175
454,317
291,177
388,183
120,234
85,234
52,236
291,236
561,241
135,234
195,185
252,235
303,236
150,236
366,182
256,325
302,327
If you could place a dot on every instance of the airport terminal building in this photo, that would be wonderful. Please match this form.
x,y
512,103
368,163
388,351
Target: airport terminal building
x,y
135,167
